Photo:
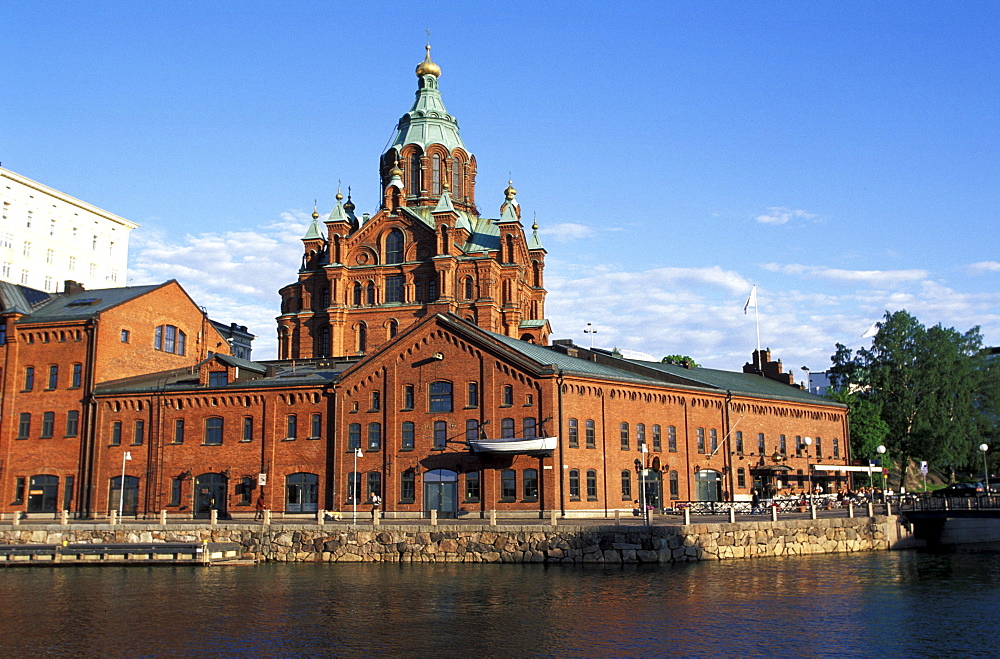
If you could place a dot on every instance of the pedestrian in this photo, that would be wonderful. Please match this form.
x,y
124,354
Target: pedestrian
x,y
755,501
260,507
376,504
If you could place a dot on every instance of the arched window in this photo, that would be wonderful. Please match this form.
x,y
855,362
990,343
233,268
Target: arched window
x,y
362,342
508,485
468,288
357,293
324,342
574,484
394,247
592,485
370,290
436,174
393,328
302,493
413,185
456,176
432,290
324,297
129,499
441,397
213,431
674,486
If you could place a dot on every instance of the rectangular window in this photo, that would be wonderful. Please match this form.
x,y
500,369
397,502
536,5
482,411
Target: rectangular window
x,y
169,338
799,446
53,376
626,485
245,488
116,433
18,491
761,449
77,375
574,484
701,440
508,395
175,491
140,433
376,401
317,426
640,435
291,426
624,436
50,256
178,431
213,431
247,429
672,439
374,485
713,436
3,333
836,448
508,485
819,448
590,436
530,485
473,398
29,378
394,288
574,433
507,428
218,378
374,436
68,493
48,424
741,478
675,490
471,430
407,486
408,397
72,423
440,397
472,487
657,442
529,427
125,336
406,436
440,434
354,436
782,445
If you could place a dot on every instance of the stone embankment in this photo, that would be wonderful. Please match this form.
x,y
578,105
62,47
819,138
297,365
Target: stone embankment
x,y
566,543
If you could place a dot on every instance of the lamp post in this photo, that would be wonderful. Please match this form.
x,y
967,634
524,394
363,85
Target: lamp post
x,y
881,451
591,331
642,483
121,484
354,483
807,441
986,471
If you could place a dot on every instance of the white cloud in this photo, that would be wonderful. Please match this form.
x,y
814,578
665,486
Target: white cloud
x,y
869,277
782,215
983,267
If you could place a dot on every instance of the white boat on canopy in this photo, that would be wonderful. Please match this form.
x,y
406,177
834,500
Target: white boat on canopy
x,y
513,445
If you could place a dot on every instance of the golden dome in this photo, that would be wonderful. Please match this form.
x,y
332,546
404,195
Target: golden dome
x,y
510,191
315,212
396,171
427,67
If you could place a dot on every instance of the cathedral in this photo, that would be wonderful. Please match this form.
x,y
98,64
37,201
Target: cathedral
x,y
427,249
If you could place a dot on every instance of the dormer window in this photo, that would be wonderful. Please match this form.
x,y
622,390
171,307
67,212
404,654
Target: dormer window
x,y
169,338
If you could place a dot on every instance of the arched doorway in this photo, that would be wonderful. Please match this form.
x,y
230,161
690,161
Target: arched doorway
x,y
42,491
210,494
441,492
708,485
302,493
129,499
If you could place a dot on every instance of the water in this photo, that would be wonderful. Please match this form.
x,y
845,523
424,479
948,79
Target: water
x,y
862,605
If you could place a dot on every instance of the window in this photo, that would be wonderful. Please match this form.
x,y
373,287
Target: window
x,y
799,446
178,431
374,436
245,490
19,491
440,434
394,288
741,477
440,397
471,430
713,435
819,448
508,485
640,435
675,490
394,250
508,395
415,175
53,376
408,397
739,442
125,336
48,424
528,400
213,431
357,293
468,288
175,492
701,440
316,430
3,333
27,247
407,486
626,485
406,436
354,436
507,428
218,378
247,429
50,256
530,485
589,433
836,447
353,487
672,439
436,174
529,427
574,433
72,263
139,436
657,443
591,485
472,487
473,398
67,492
782,445
167,338
29,378
574,484
374,485
376,401
291,426
116,433
760,444
370,293
624,435
77,375
72,423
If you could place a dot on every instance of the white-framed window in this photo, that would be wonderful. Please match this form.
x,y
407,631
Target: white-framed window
x,y
48,284
24,277
72,263
27,248
52,227
6,239
6,269
50,256
93,269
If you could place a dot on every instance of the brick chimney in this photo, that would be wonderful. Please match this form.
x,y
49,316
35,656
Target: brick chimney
x,y
772,370
70,287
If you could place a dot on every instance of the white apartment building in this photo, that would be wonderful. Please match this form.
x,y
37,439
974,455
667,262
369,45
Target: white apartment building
x,y
47,237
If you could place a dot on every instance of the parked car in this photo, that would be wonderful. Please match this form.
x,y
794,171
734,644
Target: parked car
x,y
961,490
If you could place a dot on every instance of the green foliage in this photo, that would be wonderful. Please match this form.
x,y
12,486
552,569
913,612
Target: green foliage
x,y
868,429
679,360
932,387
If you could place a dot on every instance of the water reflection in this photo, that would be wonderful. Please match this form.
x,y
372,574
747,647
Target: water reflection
x,y
857,605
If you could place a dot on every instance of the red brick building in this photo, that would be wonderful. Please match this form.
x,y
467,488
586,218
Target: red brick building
x,y
415,366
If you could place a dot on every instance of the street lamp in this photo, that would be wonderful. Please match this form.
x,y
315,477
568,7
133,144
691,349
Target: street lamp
x,y
121,489
881,451
642,482
808,442
355,485
591,331
986,471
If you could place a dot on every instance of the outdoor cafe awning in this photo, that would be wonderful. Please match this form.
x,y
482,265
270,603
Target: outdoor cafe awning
x,y
844,468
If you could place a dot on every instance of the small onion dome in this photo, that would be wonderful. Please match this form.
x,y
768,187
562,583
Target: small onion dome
x,y
510,191
427,67
349,206
395,171
340,197
534,224
315,212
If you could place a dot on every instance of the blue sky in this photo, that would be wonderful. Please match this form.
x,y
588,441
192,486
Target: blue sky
x,y
842,156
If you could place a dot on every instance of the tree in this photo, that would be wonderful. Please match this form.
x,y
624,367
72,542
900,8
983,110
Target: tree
x,y
868,429
679,360
932,386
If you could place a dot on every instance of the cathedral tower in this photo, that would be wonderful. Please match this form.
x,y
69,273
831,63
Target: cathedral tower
x,y
425,251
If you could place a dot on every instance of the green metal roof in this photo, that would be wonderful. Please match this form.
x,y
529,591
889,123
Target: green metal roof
x,y
427,122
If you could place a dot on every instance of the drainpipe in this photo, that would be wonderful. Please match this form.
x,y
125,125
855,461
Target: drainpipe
x,y
89,430
558,466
